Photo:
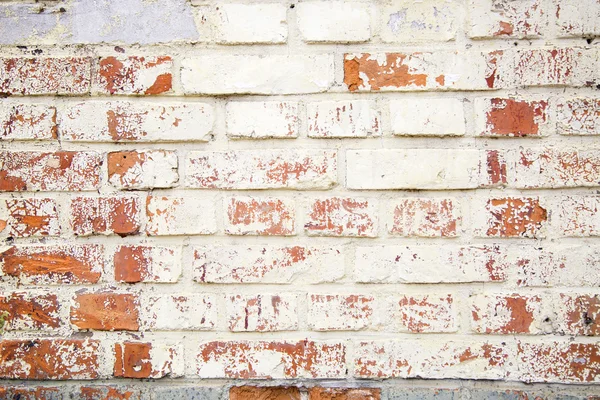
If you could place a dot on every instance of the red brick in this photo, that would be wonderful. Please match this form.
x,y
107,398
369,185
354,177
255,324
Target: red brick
x,y
560,362
108,393
29,393
267,264
496,168
510,117
579,116
430,360
320,393
66,264
140,360
105,312
337,216
419,314
260,216
271,360
50,359
513,217
579,314
262,169
264,393
553,168
28,122
29,311
425,218
340,312
173,215
31,217
58,171
420,71
507,314
135,75
577,216
143,169
262,313
45,76
147,264
117,215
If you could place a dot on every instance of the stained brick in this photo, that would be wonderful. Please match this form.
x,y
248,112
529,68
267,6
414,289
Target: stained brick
x,y
260,216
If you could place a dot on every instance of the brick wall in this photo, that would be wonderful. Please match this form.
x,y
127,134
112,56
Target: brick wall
x,y
313,200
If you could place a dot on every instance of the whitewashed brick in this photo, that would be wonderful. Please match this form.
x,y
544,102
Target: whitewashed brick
x,y
576,19
263,312
506,18
179,312
334,21
98,121
338,119
168,215
415,169
27,122
427,20
262,120
267,264
250,23
427,117
268,74
429,264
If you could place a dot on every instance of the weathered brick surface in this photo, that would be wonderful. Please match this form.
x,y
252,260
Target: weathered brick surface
x,y
275,359
272,169
260,216
123,121
62,264
300,200
49,171
45,76
342,217
143,169
105,311
134,75
425,218
105,215
28,122
29,217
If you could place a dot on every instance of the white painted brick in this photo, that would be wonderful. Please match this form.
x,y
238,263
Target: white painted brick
x,y
576,19
334,21
427,20
338,119
262,120
506,18
427,117
415,169
143,170
247,23
168,215
179,312
98,121
27,121
263,312
267,74
428,264
267,264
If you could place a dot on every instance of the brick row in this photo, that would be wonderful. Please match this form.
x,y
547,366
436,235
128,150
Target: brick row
x,y
58,359
497,217
126,121
490,313
423,169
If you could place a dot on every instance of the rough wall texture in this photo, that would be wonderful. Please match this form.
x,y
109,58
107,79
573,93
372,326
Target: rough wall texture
x,y
300,200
